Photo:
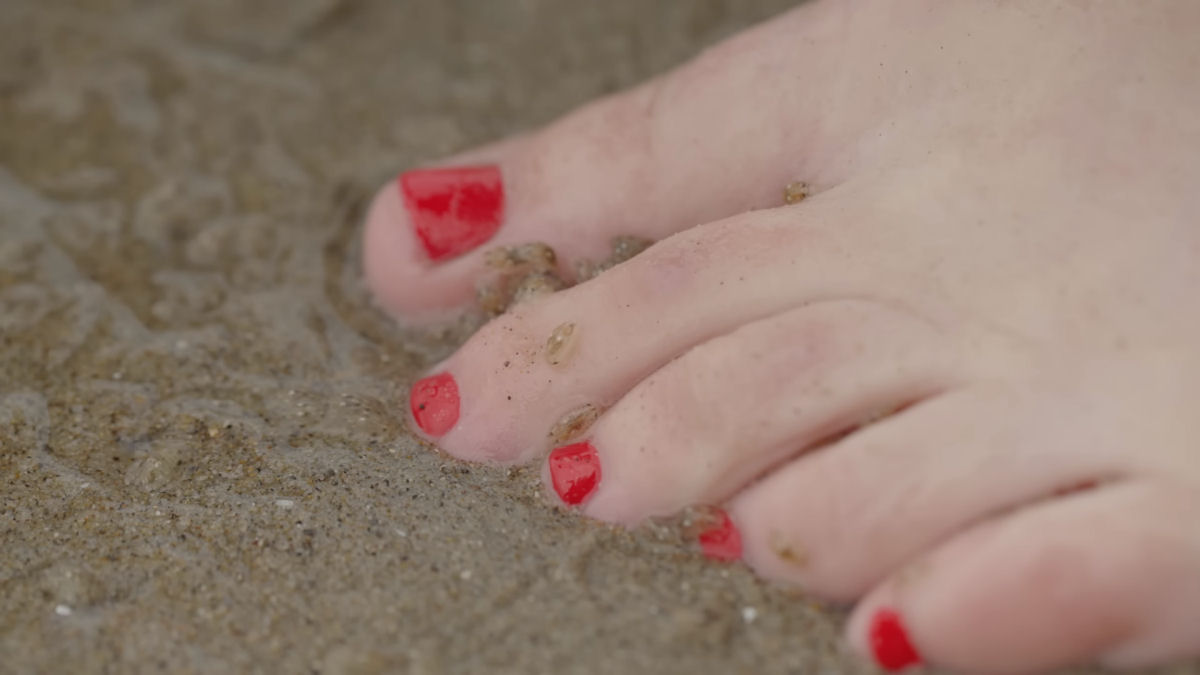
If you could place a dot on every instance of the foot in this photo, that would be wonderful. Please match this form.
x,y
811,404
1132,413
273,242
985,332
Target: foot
x,y
955,384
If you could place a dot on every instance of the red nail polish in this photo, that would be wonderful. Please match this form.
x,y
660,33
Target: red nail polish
x,y
722,541
453,210
575,471
434,403
889,641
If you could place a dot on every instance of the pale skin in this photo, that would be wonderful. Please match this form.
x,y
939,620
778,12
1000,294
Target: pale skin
x,y
991,287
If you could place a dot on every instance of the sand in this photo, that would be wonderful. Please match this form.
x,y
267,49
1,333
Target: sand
x,y
202,463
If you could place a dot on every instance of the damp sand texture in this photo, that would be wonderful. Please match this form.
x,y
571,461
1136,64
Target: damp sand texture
x,y
202,463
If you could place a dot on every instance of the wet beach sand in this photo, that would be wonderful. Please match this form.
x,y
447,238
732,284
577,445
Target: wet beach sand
x,y
203,464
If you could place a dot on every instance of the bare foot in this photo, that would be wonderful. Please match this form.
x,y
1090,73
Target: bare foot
x,y
955,384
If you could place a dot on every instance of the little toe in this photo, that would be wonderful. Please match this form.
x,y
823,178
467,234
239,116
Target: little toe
x,y
628,165
1107,574
709,422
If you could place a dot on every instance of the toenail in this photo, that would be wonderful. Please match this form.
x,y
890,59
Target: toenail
x,y
573,424
560,346
434,403
721,540
453,210
575,471
889,641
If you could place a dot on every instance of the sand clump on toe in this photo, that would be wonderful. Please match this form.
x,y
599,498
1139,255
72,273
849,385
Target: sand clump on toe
x,y
795,192
574,424
518,273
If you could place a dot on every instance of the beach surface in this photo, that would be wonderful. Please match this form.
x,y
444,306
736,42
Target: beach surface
x,y
204,466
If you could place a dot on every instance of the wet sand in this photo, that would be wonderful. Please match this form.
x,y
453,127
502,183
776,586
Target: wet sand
x,y
203,467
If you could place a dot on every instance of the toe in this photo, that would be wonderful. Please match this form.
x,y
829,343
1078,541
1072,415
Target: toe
x,y
838,520
709,422
721,135
1107,573
522,373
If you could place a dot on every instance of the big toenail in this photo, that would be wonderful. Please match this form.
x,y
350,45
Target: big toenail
x,y
560,346
573,424
889,641
575,472
453,210
721,540
434,403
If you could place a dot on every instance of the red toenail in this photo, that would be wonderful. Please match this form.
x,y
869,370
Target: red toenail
x,y
723,541
434,403
575,471
890,642
453,210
